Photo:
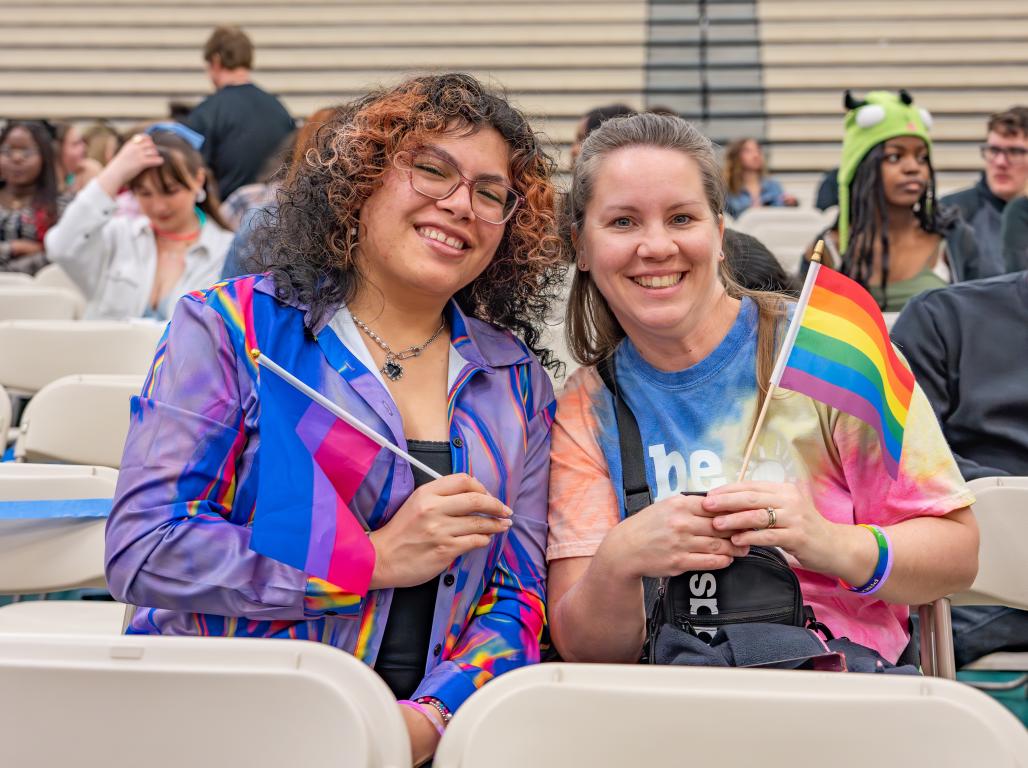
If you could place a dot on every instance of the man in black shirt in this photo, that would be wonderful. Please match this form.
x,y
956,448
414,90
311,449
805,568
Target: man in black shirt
x,y
242,124
966,347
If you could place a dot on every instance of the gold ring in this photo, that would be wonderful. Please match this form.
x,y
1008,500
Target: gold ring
x,y
772,518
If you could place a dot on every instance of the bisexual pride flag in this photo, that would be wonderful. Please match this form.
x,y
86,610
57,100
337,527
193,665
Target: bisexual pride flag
x,y
310,466
837,351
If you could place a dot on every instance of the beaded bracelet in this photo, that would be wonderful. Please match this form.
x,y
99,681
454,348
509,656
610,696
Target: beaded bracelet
x,y
882,568
438,706
429,713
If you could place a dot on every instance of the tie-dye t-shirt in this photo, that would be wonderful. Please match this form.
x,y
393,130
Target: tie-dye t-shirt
x,y
695,424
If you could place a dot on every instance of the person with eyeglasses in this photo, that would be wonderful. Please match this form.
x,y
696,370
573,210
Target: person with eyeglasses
x,y
407,274
29,199
1005,177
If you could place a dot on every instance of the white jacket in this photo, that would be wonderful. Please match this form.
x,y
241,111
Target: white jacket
x,y
113,259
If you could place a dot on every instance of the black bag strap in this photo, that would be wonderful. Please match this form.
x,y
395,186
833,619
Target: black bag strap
x,y
633,471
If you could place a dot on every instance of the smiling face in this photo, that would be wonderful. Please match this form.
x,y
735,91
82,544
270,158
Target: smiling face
x,y
905,171
652,244
415,249
169,205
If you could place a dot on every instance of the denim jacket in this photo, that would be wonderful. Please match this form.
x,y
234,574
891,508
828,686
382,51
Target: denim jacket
x,y
179,533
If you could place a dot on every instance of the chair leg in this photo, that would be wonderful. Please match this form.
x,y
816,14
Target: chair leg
x,y
945,662
926,626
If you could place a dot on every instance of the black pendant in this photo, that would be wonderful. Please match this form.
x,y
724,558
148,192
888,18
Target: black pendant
x,y
393,370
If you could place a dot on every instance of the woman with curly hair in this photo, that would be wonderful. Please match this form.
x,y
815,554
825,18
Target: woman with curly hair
x,y
412,248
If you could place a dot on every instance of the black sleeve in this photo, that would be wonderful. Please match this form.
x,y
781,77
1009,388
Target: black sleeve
x,y
928,337
1014,235
201,121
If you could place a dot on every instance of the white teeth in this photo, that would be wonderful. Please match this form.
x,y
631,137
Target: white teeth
x,y
442,237
658,281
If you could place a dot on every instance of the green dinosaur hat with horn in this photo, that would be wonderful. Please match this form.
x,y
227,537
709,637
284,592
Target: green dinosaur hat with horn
x,y
880,116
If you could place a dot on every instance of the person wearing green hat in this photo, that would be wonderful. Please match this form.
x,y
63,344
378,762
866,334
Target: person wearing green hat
x,y
891,235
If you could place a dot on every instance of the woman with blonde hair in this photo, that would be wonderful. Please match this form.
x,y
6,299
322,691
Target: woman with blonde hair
x,y
654,308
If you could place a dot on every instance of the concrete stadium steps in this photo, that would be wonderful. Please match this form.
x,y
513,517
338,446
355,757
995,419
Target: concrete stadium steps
x,y
124,60
286,14
299,39
960,60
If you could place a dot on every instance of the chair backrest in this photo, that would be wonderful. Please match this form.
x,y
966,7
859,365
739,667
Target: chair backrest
x,y
84,700
890,319
787,232
52,519
1001,508
558,715
81,419
31,302
15,279
52,276
35,352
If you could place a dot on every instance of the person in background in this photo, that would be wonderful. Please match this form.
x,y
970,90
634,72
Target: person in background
x,y
242,124
138,266
422,221
262,211
102,142
262,192
1014,234
75,169
754,267
965,345
29,200
592,120
828,191
891,234
1005,153
747,181
692,351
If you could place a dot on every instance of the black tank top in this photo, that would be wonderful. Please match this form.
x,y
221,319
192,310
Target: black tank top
x,y
408,632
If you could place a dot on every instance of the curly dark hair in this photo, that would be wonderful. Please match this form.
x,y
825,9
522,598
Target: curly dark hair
x,y
310,246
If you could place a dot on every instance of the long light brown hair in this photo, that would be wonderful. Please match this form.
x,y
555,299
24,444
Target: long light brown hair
x,y
593,332
733,172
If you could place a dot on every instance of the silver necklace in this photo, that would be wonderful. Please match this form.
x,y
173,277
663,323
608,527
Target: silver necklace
x,y
392,367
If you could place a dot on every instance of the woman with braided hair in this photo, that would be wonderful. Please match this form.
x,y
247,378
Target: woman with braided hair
x,y
891,235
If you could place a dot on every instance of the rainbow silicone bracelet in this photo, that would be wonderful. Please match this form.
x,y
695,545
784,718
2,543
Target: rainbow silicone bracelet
x,y
882,568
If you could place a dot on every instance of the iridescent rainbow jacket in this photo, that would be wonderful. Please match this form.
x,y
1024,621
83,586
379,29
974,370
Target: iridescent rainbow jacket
x,y
178,536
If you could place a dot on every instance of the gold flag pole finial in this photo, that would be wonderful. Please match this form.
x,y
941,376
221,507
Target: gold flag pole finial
x,y
819,252
255,353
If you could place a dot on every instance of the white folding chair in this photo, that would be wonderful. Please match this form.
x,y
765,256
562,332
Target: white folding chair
x,y
84,700
81,419
52,276
15,279
559,715
787,232
52,520
1001,509
35,352
30,302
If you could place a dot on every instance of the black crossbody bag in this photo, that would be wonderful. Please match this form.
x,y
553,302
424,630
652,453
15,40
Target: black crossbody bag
x,y
759,587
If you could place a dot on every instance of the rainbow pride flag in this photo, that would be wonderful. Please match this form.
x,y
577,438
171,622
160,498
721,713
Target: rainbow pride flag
x,y
837,351
310,467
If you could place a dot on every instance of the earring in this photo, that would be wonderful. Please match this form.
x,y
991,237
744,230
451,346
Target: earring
x,y
201,195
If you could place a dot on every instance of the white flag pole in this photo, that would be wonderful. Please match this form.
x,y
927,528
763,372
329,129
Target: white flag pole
x,y
261,359
785,351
